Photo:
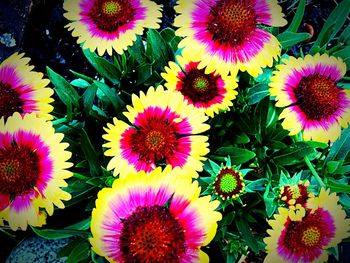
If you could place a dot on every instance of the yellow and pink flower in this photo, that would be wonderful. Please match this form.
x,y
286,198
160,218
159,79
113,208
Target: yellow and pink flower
x,y
163,130
156,217
32,170
314,104
209,92
108,25
226,35
303,235
23,90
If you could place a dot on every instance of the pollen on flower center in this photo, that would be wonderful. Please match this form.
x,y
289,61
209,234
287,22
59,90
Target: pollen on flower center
x,y
19,169
311,236
152,234
154,140
111,8
200,84
10,101
103,14
295,191
197,86
228,183
317,96
231,22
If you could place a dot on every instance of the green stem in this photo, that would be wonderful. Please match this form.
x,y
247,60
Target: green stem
x,y
313,171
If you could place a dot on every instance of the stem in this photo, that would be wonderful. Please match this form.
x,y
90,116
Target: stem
x,y
313,171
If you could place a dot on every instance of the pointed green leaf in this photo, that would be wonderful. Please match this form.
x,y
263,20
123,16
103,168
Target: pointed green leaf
x,y
64,90
288,39
257,93
298,17
238,155
333,24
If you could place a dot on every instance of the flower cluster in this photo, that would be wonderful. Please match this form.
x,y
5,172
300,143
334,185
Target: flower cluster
x,y
33,158
213,96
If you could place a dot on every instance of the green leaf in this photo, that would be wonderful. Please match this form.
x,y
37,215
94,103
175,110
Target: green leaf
x,y
168,35
82,225
80,252
298,17
64,90
103,67
59,233
344,54
111,95
67,249
82,76
158,49
238,155
332,166
333,24
338,187
315,144
241,138
89,97
340,147
257,93
90,154
257,185
80,83
288,39
246,233
293,154
343,170
215,167
345,35
144,72
137,50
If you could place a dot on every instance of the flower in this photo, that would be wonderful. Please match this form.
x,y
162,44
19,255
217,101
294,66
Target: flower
x,y
23,90
226,35
32,170
315,105
110,24
303,235
295,195
154,217
228,183
164,131
208,92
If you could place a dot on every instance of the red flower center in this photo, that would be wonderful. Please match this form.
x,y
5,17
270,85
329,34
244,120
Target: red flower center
x,y
295,192
10,101
110,15
155,139
197,86
152,234
318,97
228,183
231,22
304,240
19,169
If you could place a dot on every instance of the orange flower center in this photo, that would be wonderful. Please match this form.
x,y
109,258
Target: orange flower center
x,y
311,236
10,101
19,169
317,96
152,234
231,22
154,140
